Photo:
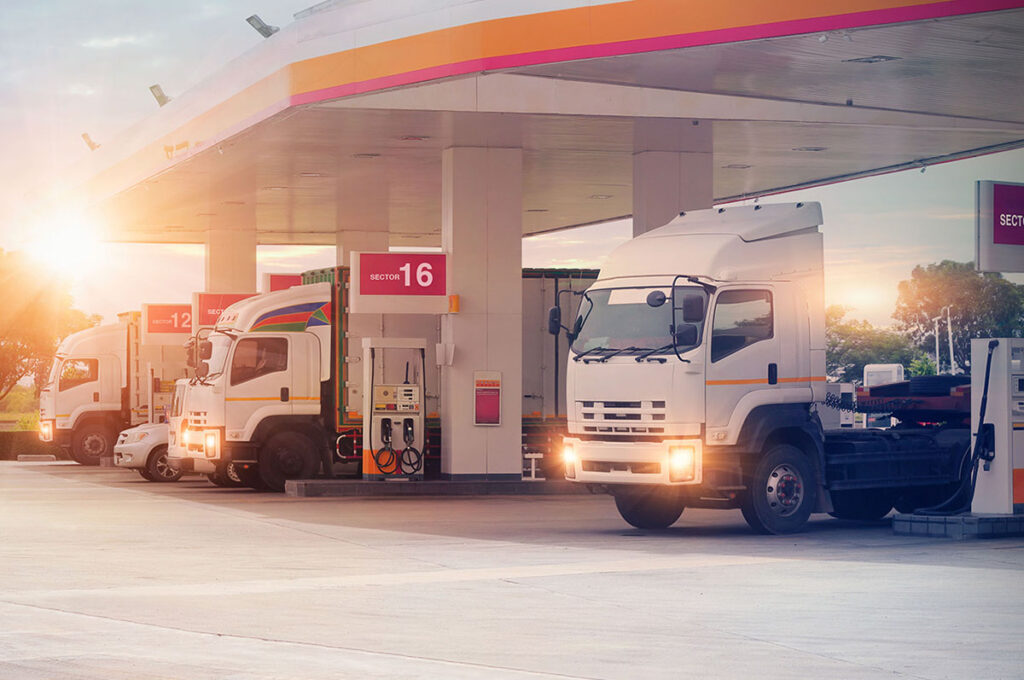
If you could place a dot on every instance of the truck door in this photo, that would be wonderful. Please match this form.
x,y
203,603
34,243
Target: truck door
x,y
743,356
259,382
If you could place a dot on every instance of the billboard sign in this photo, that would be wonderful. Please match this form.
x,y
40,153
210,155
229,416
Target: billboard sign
x,y
399,283
207,307
164,324
999,227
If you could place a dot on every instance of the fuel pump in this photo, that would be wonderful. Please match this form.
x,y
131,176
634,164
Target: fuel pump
x,y
393,406
1000,481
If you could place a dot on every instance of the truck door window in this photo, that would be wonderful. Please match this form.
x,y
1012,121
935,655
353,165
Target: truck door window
x,y
742,317
255,357
77,372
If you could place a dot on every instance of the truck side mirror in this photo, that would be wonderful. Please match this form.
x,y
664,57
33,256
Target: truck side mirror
x,y
205,350
554,320
686,335
693,309
202,370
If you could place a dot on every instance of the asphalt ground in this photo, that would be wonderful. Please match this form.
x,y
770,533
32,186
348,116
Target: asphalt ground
x,y
107,576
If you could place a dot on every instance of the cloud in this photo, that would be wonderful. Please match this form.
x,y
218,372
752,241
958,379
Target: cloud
x,y
116,41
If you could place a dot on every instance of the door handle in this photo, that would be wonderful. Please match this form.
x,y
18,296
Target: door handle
x,y
95,396
284,394
773,374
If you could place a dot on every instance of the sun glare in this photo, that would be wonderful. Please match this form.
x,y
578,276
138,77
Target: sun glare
x,y
68,245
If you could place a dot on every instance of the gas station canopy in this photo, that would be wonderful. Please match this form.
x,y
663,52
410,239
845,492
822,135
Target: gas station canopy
x,y
339,120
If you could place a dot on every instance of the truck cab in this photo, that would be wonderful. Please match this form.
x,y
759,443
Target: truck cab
x,y
80,406
256,400
696,359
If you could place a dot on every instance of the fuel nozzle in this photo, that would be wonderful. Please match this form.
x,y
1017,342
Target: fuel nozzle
x,y
408,431
385,430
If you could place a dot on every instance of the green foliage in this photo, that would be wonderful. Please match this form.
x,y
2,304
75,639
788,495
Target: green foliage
x,y
922,366
20,399
35,315
850,345
980,306
28,421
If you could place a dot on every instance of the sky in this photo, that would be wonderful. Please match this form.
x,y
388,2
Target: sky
x,y
67,67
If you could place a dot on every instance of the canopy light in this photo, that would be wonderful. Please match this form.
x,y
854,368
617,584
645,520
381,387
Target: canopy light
x,y
262,27
877,59
810,148
158,94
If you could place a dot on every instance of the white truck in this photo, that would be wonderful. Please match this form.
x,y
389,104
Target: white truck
x,y
697,373
99,384
278,393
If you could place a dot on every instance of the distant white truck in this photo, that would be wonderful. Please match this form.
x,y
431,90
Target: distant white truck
x,y
99,385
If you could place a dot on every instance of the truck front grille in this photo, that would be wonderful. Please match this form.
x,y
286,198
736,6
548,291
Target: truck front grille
x,y
197,417
622,417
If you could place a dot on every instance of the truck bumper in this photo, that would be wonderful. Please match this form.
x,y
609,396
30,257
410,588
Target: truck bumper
x,y
676,462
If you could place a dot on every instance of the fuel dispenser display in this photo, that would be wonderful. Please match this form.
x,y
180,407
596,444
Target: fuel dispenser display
x,y
1000,483
393,444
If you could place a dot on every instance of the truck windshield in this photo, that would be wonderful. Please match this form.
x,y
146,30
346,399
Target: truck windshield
x,y
621,320
221,346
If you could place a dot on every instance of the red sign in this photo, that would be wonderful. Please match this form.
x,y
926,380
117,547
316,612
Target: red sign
x,y
1008,214
284,281
402,274
169,319
212,304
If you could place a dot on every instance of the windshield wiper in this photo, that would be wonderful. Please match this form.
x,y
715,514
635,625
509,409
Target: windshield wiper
x,y
617,352
664,348
590,351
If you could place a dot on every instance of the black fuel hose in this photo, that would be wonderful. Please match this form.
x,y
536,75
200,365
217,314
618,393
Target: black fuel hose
x,y
973,454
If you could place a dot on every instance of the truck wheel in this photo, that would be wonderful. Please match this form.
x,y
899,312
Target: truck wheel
x,y
158,468
781,492
226,477
92,442
866,506
287,455
250,476
650,508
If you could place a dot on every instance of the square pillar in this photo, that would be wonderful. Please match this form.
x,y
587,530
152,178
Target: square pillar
x,y
481,231
230,261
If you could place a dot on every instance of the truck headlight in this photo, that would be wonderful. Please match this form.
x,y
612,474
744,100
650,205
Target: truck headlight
x,y
682,462
137,436
569,458
46,430
210,441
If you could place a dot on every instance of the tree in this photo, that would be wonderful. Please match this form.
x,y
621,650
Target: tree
x,y
850,345
36,313
980,305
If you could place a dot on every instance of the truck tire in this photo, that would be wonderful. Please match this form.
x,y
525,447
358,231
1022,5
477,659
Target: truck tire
x,y
226,477
92,442
250,476
650,507
781,491
158,468
287,455
867,505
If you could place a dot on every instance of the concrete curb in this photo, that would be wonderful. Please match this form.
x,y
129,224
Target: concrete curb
x,y
319,488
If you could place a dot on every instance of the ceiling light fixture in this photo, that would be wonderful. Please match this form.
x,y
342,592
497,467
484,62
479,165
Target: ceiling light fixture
x,y
736,166
600,197
262,27
310,174
88,140
158,94
810,148
876,59
366,155
414,138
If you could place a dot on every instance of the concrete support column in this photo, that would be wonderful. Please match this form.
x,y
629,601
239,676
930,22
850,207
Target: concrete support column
x,y
673,171
481,231
230,261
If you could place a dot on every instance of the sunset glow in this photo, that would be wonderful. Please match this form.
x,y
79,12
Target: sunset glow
x,y
66,244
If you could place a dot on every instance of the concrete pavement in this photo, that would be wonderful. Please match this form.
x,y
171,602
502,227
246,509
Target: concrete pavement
x,y
108,576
